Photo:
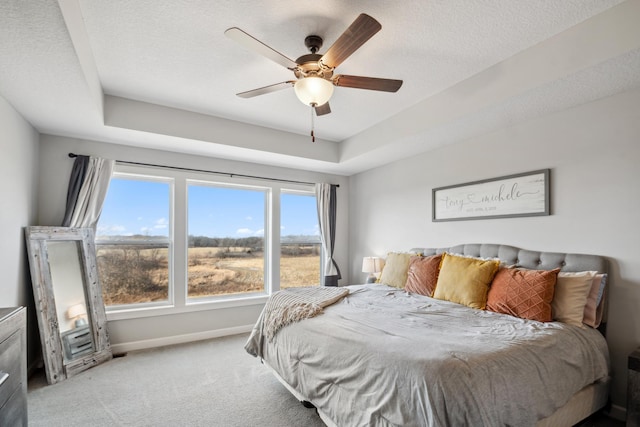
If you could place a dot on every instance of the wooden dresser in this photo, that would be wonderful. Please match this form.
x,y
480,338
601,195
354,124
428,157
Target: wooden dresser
x,y
13,367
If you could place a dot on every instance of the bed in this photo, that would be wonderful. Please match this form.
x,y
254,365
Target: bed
x,y
383,356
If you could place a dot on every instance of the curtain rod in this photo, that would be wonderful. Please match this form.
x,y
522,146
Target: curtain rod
x,y
230,175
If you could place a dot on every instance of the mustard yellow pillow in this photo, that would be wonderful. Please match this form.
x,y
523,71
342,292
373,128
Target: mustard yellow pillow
x,y
394,272
465,280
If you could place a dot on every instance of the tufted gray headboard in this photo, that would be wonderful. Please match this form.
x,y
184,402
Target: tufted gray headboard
x,y
534,260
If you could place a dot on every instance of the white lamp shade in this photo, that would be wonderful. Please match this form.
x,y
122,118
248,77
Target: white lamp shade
x,y
76,310
372,264
314,91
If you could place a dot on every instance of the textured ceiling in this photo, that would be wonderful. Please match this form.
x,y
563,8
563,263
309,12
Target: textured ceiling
x,y
57,59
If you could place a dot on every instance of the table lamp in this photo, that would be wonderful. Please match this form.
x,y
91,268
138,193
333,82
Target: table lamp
x,y
373,266
77,312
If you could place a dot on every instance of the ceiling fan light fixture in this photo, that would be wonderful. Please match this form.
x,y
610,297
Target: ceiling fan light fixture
x,y
314,91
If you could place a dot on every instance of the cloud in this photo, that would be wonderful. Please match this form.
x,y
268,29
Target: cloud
x,y
250,232
249,218
161,223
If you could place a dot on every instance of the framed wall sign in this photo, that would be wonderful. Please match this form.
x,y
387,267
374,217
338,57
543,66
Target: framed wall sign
x,y
525,194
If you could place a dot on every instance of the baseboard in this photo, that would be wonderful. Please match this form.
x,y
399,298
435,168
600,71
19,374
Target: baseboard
x,y
618,413
178,339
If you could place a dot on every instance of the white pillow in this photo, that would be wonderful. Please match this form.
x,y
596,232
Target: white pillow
x,y
594,308
570,296
394,272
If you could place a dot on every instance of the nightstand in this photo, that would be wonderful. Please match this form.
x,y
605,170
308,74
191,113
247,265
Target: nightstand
x,y
13,367
77,342
633,390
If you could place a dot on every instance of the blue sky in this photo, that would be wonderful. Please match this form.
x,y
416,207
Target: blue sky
x,y
142,207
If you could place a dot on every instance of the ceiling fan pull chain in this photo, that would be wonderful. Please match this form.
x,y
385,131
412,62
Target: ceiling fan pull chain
x,y
313,137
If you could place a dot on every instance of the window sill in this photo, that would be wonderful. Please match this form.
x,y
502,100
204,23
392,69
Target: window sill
x,y
189,307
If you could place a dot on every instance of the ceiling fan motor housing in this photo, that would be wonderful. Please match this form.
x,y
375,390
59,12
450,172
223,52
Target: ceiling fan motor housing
x,y
309,65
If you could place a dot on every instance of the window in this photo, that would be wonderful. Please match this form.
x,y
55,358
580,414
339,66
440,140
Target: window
x,y
133,241
299,240
171,241
226,240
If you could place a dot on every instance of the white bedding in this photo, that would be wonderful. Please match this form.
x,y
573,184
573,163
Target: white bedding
x,y
382,357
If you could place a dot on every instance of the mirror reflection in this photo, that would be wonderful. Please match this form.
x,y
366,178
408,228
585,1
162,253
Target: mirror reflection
x,y
71,306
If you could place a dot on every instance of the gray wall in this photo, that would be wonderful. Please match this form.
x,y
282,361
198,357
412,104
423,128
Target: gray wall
x,y
593,152
149,331
18,173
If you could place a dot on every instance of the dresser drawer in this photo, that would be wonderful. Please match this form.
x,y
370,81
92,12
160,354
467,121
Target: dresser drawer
x,y
13,412
10,366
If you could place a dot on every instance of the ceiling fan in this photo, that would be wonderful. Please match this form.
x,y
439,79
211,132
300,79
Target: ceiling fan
x,y
315,72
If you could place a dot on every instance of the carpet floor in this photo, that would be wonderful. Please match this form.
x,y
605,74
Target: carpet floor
x,y
206,383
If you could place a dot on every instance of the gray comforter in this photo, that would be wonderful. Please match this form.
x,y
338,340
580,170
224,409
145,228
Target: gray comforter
x,y
383,357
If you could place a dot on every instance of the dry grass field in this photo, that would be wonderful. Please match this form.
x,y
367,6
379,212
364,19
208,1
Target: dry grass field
x,y
135,275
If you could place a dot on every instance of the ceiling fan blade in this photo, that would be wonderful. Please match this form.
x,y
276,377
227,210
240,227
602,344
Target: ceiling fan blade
x,y
323,109
361,30
371,83
255,45
266,89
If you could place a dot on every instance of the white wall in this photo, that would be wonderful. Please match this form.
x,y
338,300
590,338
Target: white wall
x,y
180,327
18,163
593,152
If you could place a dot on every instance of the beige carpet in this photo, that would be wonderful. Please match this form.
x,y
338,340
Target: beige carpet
x,y
207,383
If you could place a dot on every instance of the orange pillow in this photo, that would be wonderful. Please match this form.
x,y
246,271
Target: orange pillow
x,y
423,274
523,293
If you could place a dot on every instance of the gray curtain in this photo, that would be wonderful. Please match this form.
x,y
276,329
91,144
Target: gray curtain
x,y
75,182
326,197
88,185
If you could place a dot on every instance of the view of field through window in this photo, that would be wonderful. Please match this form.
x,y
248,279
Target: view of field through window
x,y
225,241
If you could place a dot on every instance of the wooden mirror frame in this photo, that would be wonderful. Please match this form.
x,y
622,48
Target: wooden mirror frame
x,y
57,368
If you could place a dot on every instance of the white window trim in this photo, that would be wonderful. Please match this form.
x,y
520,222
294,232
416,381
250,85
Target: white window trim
x,y
179,301
268,195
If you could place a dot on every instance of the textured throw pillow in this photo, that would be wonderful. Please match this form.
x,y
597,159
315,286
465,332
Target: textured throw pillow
x,y
423,274
594,307
465,280
570,296
523,293
394,272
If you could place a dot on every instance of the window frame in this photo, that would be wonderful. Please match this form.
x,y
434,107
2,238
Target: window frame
x,y
190,301
306,192
170,302
178,270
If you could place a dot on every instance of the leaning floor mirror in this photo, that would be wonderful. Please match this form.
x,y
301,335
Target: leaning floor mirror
x,y
68,297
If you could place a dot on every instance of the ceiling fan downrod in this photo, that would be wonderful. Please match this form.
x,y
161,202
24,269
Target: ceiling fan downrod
x,y
313,43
